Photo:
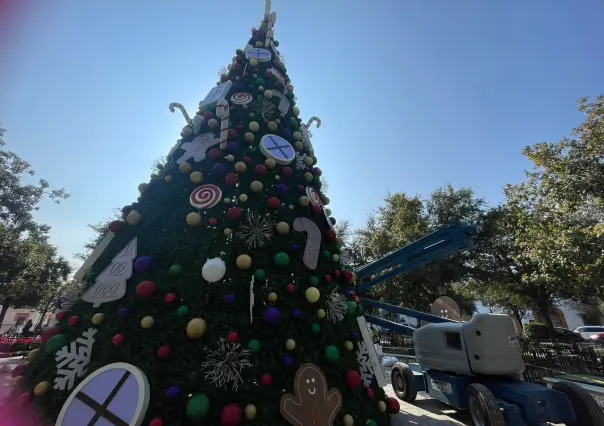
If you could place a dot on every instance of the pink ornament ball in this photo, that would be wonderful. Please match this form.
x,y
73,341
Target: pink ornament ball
x,y
212,221
24,399
163,352
234,213
170,298
231,415
145,289
273,203
266,380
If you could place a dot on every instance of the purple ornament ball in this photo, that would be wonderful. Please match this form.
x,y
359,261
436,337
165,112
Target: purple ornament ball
x,y
271,316
124,312
355,335
281,190
173,392
286,133
295,247
229,298
296,314
143,264
288,361
233,146
219,169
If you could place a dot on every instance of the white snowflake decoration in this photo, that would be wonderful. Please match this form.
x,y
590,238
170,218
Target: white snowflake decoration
x,y
365,365
255,230
225,364
336,307
300,164
73,360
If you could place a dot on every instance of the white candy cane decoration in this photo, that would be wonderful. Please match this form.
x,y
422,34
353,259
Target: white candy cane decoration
x,y
182,109
267,9
270,32
317,119
223,111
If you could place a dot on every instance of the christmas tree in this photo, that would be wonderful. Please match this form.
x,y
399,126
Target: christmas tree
x,y
220,299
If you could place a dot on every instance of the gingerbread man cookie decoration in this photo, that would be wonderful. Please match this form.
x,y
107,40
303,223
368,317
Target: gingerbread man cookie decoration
x,y
312,403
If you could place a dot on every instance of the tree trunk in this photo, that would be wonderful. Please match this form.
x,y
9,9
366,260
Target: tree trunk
x,y
543,308
4,310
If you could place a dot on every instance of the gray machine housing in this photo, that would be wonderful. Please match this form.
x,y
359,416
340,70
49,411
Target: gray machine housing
x,y
486,345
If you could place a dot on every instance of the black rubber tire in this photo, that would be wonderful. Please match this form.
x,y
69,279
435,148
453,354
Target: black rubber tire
x,y
586,408
401,371
486,403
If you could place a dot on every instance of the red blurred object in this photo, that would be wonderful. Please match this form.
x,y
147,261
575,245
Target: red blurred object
x,y
598,337
369,392
234,213
260,170
266,380
156,422
18,370
115,226
353,379
231,179
231,415
347,275
145,289
330,234
24,398
290,288
327,278
163,352
392,406
317,210
60,316
273,203
215,154
170,298
49,332
118,339
287,171
212,221
74,320
232,337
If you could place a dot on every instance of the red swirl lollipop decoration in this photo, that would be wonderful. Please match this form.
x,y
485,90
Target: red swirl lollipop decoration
x,y
205,196
313,196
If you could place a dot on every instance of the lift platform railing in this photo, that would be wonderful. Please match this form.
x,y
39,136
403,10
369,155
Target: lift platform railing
x,y
441,243
403,311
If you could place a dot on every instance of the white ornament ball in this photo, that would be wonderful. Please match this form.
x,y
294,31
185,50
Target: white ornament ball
x,y
213,270
212,123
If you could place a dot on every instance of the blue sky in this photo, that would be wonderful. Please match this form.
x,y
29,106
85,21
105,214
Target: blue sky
x,y
412,94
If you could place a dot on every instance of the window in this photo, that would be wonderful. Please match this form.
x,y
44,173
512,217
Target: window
x,y
453,340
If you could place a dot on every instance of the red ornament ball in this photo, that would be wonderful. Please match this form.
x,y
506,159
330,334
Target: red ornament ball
x,y
145,289
49,332
234,213
231,179
336,272
115,226
247,160
327,278
317,210
330,234
232,134
290,288
273,203
24,398
212,221
266,380
300,188
215,154
74,320
163,352
170,298
347,275
260,170
392,406
156,422
268,74
369,392
353,379
118,339
60,316
287,171
232,337
231,415
207,115
318,171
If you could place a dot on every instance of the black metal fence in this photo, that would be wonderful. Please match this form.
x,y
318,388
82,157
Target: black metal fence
x,y
542,358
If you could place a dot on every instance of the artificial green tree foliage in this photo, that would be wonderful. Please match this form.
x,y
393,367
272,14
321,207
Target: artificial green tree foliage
x,y
269,352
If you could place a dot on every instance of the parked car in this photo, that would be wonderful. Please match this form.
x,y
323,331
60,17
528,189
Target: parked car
x,y
589,330
599,337
566,335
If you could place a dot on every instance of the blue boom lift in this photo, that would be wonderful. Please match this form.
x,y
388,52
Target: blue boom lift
x,y
476,365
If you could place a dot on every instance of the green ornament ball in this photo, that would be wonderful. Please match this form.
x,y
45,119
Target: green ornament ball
x,y
281,259
259,274
351,307
314,281
259,81
327,254
371,422
332,353
175,270
198,406
315,328
360,309
349,267
55,343
182,311
276,42
240,52
254,346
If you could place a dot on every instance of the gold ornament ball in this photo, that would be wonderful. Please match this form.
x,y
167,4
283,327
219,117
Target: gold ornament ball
x,y
212,123
230,158
324,198
185,168
133,218
254,126
196,328
296,111
328,211
31,355
290,344
272,126
196,177
308,160
268,94
142,187
243,261
97,319
250,411
348,345
227,200
312,294
193,219
298,145
291,206
348,420
308,176
297,136
269,163
272,297
147,322
253,62
249,136
243,198
382,406
41,388
256,186
320,313
304,201
282,228
277,121
227,232
168,179
240,167
335,257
